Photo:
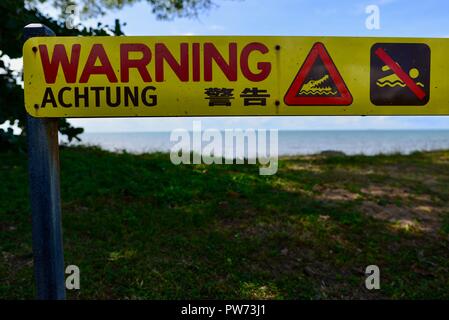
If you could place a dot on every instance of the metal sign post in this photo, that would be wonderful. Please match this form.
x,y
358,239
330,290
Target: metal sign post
x,y
43,159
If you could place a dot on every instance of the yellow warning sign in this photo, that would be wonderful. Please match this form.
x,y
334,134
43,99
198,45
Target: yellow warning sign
x,y
234,76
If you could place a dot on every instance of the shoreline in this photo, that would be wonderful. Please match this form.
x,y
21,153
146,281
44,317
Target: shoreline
x,y
289,143
329,152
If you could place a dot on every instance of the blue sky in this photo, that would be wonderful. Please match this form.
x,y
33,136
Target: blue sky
x,y
401,18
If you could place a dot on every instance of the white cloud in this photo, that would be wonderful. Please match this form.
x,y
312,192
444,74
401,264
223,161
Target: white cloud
x,y
385,2
216,27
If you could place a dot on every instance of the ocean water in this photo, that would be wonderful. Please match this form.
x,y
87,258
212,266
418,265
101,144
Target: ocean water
x,y
368,142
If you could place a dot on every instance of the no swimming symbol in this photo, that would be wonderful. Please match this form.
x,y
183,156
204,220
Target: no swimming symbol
x,y
400,74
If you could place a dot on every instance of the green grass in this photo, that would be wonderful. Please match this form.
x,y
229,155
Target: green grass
x,y
140,227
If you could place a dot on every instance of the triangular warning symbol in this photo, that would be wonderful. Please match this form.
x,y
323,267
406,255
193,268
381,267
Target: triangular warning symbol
x,y
318,82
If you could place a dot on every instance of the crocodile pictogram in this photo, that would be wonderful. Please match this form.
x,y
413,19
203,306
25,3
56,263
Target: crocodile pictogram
x,y
315,87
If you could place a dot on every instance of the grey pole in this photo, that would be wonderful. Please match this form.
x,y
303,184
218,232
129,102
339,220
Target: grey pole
x,y
43,164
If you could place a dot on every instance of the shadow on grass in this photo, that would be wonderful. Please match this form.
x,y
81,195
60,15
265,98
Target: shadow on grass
x,y
140,227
